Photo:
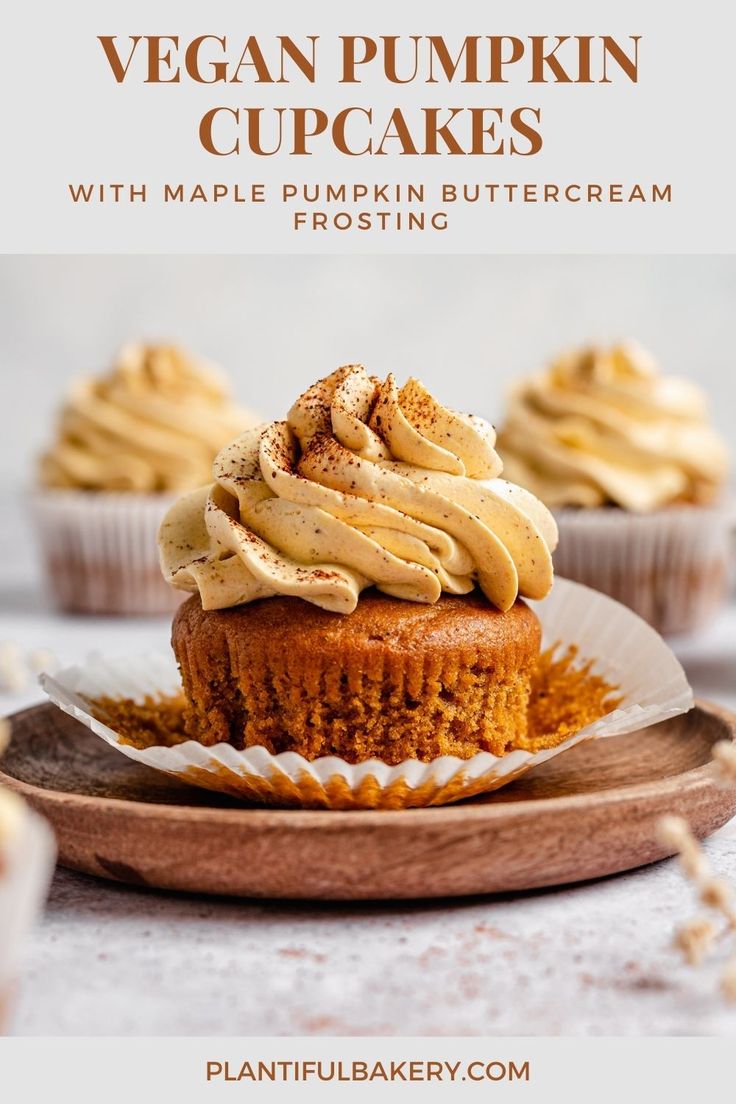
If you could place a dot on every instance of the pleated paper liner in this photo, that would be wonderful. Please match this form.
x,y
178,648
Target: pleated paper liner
x,y
100,553
673,567
625,651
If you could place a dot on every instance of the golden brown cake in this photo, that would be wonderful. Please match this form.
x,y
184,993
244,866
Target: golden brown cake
x,y
393,680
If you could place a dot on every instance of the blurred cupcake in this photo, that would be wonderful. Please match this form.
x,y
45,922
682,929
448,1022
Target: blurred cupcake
x,y
127,443
634,473
26,859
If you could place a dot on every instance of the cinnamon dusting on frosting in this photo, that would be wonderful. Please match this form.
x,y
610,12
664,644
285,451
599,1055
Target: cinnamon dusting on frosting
x,y
363,484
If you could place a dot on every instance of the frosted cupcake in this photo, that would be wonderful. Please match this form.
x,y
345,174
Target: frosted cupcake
x,y
372,621
626,458
358,572
127,443
26,858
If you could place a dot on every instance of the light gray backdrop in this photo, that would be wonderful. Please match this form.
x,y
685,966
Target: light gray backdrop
x,y
467,325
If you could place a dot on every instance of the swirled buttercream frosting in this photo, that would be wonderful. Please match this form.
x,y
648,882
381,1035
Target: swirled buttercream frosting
x,y
155,422
364,484
606,427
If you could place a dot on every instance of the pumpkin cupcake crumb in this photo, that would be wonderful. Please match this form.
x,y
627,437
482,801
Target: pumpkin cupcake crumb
x,y
564,699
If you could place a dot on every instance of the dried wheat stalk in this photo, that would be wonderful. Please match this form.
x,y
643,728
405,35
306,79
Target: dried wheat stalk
x,y
696,937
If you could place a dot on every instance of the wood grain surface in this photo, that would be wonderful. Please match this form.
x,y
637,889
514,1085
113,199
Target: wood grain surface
x,y
585,814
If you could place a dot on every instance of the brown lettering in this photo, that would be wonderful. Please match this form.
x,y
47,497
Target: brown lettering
x,y
526,131
205,131
540,59
389,59
302,132
113,57
349,58
498,60
468,52
630,66
434,131
191,61
306,65
158,60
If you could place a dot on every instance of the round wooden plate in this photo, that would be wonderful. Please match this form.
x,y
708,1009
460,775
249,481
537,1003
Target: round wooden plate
x,y
584,814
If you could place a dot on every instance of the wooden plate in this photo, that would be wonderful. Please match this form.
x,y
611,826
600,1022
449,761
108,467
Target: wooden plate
x,y
587,813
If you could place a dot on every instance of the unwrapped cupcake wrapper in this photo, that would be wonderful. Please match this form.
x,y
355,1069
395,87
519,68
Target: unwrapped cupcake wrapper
x,y
100,551
672,566
26,865
626,652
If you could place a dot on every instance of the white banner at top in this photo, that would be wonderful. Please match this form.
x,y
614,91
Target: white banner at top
x,y
465,127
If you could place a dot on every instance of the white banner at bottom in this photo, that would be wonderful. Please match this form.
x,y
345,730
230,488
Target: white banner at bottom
x,y
292,1069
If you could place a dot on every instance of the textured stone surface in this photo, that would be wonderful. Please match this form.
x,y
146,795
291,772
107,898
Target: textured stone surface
x,y
595,959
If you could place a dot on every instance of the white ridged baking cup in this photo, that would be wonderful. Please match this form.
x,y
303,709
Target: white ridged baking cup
x,y
100,551
26,864
671,566
626,651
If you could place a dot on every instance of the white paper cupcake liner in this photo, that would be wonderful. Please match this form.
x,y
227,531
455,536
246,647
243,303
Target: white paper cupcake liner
x,y
26,864
672,566
627,652
100,552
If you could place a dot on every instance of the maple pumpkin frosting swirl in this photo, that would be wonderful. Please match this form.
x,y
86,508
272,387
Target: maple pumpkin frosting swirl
x,y
604,426
153,423
363,484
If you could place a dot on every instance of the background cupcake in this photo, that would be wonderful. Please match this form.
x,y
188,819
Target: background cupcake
x,y
127,442
635,473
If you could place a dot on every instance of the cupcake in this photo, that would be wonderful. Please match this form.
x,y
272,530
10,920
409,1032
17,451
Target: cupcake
x,y
127,443
627,460
358,573
372,621
26,858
